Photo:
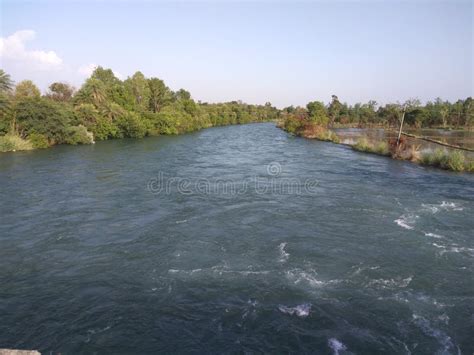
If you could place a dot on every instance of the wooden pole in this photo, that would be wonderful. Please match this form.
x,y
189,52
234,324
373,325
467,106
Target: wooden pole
x,y
401,125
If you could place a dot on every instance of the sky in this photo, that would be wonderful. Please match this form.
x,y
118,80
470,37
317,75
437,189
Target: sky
x,y
283,52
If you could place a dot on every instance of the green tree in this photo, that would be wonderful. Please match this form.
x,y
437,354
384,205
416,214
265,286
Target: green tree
x,y
42,116
139,90
26,88
317,113
6,84
60,92
334,109
160,94
92,92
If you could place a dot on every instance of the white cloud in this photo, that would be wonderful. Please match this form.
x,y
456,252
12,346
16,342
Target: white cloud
x,y
86,71
13,47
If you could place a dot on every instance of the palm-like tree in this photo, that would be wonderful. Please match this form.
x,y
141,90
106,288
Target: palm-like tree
x,y
6,83
111,110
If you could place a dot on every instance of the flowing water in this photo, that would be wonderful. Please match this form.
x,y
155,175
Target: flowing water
x,y
233,239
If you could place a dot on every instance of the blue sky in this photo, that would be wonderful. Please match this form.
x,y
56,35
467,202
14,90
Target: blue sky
x,y
257,51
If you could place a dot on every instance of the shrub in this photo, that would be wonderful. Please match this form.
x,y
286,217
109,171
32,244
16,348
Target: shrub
x,y
328,136
133,126
470,166
449,160
362,145
104,129
38,140
79,135
40,115
12,142
382,148
433,158
453,161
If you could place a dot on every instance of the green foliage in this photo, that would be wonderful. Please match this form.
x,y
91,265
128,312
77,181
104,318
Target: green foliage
x,y
43,116
132,126
450,160
453,161
60,92
160,94
364,145
78,135
11,142
38,140
6,84
328,136
317,113
104,129
26,88
470,166
5,112
138,89
382,148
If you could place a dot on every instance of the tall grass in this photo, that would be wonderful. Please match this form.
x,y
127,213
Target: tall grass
x,y
364,145
11,143
449,160
328,136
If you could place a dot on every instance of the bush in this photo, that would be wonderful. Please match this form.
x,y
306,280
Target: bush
x,y
449,160
40,115
470,166
38,140
79,135
362,145
133,126
382,148
328,136
10,143
454,161
433,158
104,129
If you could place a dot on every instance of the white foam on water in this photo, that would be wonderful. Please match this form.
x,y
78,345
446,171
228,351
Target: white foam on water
x,y
223,269
413,299
451,206
441,337
187,272
364,268
336,346
391,283
453,249
283,254
433,235
444,205
299,276
407,221
301,310
182,221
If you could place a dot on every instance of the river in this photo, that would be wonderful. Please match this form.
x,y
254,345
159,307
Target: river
x,y
233,239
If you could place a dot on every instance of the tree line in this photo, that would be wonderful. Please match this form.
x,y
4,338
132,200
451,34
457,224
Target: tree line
x,y
437,113
105,107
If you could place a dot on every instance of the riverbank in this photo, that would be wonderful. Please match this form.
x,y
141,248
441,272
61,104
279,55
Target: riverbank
x,y
106,107
444,158
14,143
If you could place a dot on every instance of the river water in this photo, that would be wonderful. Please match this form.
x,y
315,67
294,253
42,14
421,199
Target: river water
x,y
233,239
